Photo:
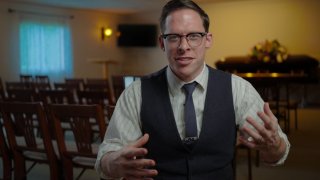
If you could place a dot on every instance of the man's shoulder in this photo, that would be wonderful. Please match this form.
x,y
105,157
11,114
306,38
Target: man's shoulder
x,y
217,72
154,75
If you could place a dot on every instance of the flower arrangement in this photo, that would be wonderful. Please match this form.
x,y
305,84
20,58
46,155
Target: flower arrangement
x,y
269,52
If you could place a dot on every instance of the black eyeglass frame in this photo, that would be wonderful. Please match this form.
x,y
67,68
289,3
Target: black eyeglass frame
x,y
202,34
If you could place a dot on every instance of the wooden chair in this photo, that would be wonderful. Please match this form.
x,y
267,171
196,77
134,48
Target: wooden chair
x,y
241,147
2,91
42,82
80,117
94,97
66,86
27,80
6,154
290,104
22,122
42,79
97,84
77,83
118,86
16,85
22,95
110,109
56,97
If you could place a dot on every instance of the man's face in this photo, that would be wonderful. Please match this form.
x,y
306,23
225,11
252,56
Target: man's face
x,y
185,58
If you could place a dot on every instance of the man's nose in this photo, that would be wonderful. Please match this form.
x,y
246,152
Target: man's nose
x,y
184,43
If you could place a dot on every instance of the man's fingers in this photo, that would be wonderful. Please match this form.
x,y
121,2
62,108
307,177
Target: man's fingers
x,y
141,141
254,134
270,121
139,168
141,173
256,125
135,149
267,110
141,163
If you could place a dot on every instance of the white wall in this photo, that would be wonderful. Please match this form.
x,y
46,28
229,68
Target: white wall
x,y
86,37
143,60
236,25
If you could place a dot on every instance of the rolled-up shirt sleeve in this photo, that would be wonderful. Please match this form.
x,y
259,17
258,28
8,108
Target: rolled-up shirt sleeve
x,y
247,102
124,126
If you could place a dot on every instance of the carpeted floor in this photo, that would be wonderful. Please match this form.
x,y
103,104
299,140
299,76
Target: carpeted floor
x,y
304,159
303,162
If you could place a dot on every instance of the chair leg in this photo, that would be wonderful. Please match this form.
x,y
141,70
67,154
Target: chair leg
x,y
257,158
287,119
249,165
56,172
234,164
296,117
19,167
68,169
7,167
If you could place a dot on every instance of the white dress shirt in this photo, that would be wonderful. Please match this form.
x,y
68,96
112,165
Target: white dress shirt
x,y
125,124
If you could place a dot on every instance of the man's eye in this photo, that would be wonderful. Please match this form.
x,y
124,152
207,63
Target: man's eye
x,y
173,38
194,36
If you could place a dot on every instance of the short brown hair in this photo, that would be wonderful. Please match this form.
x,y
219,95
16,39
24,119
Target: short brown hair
x,y
174,5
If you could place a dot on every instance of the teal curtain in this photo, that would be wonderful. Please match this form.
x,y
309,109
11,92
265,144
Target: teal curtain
x,y
45,47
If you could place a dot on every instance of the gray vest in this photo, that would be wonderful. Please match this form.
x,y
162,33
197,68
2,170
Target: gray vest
x,y
212,155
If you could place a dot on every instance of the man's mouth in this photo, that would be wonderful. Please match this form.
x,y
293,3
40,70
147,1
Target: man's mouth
x,y
184,59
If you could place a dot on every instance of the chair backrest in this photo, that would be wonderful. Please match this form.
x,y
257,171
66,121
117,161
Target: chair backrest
x,y
42,82
97,84
2,91
118,85
110,109
94,97
28,135
25,78
42,79
23,95
76,83
96,81
17,85
42,86
56,97
5,153
81,118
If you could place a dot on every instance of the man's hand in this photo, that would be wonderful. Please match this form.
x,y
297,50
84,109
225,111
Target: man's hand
x,y
129,162
265,137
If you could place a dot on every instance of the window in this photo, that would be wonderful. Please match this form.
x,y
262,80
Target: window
x,y
45,47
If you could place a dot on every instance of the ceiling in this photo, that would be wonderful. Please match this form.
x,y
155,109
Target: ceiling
x,y
121,6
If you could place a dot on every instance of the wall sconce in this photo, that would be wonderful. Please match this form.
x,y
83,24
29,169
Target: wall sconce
x,y
105,33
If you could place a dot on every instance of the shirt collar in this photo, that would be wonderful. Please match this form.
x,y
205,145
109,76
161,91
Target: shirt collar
x,y
175,83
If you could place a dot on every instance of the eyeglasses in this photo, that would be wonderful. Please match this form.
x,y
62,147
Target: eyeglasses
x,y
194,39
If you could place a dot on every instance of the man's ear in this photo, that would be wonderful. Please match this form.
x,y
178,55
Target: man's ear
x,y
160,39
209,40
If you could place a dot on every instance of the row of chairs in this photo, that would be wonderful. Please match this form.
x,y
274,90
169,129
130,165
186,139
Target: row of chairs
x,y
113,88
111,109
69,83
278,96
72,91
27,137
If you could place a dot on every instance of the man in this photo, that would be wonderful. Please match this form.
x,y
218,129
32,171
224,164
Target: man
x,y
149,136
